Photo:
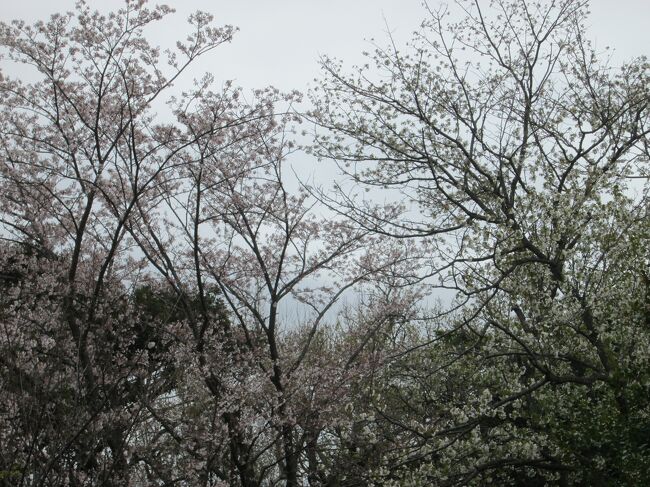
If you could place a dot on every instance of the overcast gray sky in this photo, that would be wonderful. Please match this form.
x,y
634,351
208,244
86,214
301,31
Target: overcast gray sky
x,y
280,40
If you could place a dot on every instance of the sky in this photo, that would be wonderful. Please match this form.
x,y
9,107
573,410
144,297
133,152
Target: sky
x,y
280,41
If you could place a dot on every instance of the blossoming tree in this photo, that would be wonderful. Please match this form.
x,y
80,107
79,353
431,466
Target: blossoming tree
x,y
524,162
166,282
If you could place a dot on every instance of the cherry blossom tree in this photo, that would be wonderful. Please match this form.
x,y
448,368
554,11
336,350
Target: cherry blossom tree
x,y
520,160
168,282
233,223
81,152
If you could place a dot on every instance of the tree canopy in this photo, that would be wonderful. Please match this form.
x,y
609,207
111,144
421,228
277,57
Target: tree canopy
x,y
468,305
